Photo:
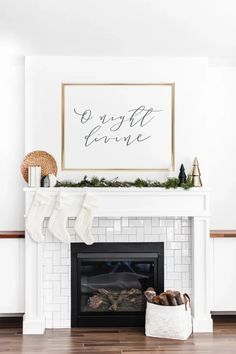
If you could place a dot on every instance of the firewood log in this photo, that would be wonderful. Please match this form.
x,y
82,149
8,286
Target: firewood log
x,y
110,297
95,302
171,298
149,294
126,294
133,292
164,299
156,300
117,298
178,297
150,289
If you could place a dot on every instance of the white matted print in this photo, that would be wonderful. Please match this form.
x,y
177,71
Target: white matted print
x,y
117,126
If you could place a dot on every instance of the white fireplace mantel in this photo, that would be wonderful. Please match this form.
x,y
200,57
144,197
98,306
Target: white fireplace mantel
x,y
129,202
134,201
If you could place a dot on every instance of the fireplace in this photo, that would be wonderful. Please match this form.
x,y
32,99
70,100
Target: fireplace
x,y
178,218
108,281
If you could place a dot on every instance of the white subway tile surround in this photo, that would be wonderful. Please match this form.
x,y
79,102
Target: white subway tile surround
x,y
175,232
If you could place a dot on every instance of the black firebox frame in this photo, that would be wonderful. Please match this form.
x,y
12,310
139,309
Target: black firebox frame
x,y
125,251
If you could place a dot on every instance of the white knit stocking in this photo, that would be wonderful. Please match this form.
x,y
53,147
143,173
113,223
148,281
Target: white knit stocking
x,y
58,219
84,220
36,215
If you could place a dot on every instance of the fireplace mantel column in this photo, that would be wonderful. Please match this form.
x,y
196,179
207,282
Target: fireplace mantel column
x,y
34,319
202,275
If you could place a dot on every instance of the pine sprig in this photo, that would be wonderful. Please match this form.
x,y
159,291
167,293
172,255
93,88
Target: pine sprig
x,y
96,182
171,183
188,184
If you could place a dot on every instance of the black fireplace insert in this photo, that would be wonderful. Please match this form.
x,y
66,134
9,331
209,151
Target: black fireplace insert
x,y
108,281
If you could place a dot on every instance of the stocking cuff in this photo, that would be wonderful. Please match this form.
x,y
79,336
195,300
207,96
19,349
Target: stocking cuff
x,y
90,201
62,200
40,198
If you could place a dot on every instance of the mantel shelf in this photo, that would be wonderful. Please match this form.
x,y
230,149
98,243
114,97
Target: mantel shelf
x,y
119,189
133,202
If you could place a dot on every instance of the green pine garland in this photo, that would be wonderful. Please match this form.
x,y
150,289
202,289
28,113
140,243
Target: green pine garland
x,y
115,183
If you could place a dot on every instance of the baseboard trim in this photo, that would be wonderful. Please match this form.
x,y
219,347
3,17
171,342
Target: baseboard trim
x,y
223,313
33,326
202,325
11,321
9,315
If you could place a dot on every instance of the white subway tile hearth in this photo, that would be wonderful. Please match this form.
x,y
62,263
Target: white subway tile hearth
x,y
175,232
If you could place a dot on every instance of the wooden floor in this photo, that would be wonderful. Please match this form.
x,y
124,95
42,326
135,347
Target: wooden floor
x,y
117,341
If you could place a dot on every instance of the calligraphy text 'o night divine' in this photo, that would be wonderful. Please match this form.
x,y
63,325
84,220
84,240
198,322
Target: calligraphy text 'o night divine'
x,y
138,118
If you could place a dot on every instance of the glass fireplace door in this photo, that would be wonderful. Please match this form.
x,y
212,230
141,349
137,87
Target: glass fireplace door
x,y
114,283
108,281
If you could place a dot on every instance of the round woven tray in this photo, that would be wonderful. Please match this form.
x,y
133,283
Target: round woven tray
x,y
39,158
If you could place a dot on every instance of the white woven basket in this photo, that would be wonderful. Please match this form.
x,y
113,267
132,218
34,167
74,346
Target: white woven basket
x,y
173,322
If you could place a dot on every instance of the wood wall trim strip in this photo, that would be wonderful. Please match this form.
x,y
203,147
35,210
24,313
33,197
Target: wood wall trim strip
x,y
213,234
222,233
12,234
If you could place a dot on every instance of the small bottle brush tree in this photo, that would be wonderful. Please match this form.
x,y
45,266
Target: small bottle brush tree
x,y
182,175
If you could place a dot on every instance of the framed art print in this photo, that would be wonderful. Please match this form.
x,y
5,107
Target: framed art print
x,y
118,126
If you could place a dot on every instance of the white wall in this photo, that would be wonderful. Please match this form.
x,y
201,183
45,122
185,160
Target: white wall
x,y
11,142
222,145
121,27
44,76
12,264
